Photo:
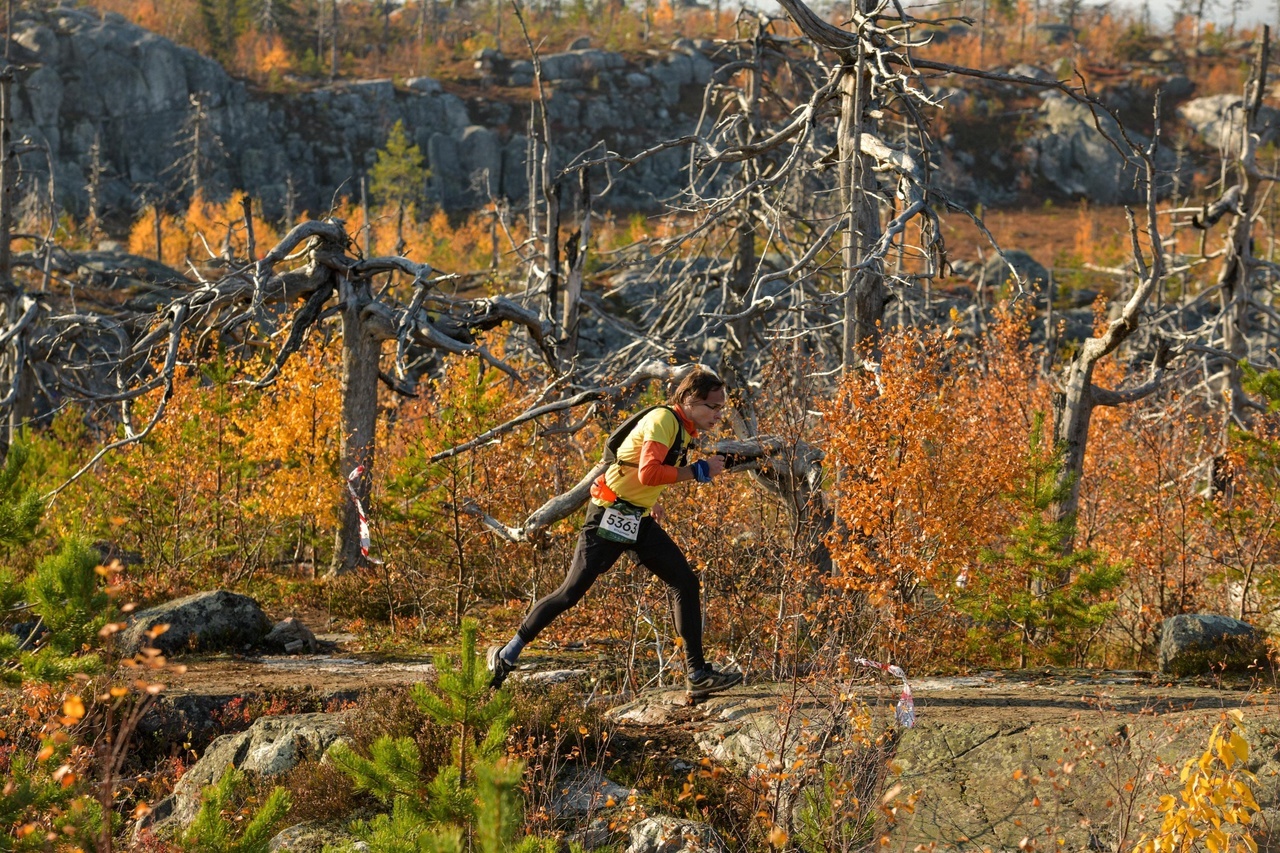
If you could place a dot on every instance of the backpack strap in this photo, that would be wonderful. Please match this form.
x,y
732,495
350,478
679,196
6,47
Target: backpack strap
x,y
678,453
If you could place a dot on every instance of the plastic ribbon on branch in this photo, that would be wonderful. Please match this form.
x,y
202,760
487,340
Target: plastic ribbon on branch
x,y
905,713
364,519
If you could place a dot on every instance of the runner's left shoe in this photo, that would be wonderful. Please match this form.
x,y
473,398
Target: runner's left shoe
x,y
709,680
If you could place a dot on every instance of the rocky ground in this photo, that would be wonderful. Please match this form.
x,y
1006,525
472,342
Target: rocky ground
x,y
994,759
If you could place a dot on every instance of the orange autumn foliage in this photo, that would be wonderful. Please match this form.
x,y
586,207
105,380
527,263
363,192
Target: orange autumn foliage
x,y
927,453
293,440
208,229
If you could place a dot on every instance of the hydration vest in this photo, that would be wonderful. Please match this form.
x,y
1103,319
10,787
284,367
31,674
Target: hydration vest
x,y
677,454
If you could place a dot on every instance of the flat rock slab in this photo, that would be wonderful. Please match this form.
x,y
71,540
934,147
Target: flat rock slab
x,y
995,758
327,674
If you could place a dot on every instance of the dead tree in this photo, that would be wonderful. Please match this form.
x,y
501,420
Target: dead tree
x,y
101,360
1240,273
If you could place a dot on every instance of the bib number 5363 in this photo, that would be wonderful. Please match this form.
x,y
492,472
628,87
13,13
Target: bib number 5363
x,y
619,526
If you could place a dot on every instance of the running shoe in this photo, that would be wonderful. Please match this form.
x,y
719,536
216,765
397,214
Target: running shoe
x,y
499,666
709,680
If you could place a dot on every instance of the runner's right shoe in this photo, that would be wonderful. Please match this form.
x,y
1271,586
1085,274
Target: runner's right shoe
x,y
499,666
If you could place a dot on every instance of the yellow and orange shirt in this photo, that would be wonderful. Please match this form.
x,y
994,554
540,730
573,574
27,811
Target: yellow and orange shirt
x,y
641,474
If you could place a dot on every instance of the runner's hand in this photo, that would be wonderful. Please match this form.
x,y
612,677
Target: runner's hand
x,y
656,513
717,464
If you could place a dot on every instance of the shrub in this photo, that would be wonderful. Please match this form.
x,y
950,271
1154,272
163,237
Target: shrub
x,y
66,594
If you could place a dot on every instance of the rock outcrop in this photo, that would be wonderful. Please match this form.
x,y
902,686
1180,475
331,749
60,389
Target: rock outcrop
x,y
1216,119
205,621
270,747
995,758
97,83
100,82
664,834
1203,643
1079,162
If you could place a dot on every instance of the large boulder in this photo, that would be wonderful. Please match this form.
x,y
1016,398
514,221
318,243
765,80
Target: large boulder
x,y
270,747
582,791
664,834
313,837
206,621
1201,643
996,270
1217,119
1078,161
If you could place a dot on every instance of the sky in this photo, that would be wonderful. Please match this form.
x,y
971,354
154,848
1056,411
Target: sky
x,y
1251,11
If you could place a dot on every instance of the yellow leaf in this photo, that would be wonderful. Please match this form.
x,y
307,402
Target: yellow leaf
x,y
1239,746
74,708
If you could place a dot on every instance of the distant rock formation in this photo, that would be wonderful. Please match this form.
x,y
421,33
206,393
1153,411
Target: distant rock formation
x,y
103,95
103,82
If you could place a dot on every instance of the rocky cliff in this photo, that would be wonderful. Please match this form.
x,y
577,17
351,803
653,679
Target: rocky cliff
x,y
150,107
101,95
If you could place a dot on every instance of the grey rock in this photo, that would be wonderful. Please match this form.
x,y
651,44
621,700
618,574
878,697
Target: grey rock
x,y
1177,86
561,66
442,157
290,636
426,85
101,79
664,834
206,621
564,110
582,791
29,634
1034,72
515,180
1201,643
312,837
270,747
1078,161
581,43
996,271
554,676
964,763
595,835
1218,119
481,155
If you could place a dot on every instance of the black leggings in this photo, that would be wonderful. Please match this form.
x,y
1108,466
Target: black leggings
x,y
595,556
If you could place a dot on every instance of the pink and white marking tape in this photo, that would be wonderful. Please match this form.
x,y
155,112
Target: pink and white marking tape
x,y
905,713
364,519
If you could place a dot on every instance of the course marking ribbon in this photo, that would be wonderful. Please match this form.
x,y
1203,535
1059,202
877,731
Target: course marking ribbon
x,y
905,713
364,519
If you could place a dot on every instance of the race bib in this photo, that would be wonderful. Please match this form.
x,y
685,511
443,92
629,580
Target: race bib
x,y
620,523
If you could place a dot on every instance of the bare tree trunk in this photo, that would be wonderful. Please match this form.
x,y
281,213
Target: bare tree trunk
x,y
551,191
863,285
360,352
1081,395
744,259
366,231
12,368
1234,277
576,255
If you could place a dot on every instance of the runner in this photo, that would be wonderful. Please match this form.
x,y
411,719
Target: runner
x,y
646,454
